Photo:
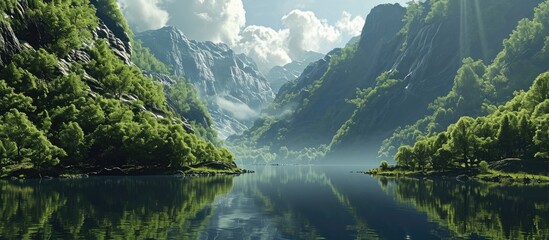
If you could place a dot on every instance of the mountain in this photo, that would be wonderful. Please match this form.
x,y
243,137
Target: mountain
x,y
72,100
493,112
230,83
279,75
405,59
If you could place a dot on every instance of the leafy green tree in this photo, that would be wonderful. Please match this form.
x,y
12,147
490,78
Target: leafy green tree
x,y
31,143
526,132
507,137
9,100
66,24
541,140
461,140
71,139
422,154
405,157
442,159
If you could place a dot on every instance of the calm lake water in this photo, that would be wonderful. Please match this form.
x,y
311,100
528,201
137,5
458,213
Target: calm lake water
x,y
277,202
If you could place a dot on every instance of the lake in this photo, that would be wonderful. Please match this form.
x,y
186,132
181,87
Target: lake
x,y
276,202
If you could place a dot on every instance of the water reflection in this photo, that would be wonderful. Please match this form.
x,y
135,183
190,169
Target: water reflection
x,y
475,210
108,208
286,202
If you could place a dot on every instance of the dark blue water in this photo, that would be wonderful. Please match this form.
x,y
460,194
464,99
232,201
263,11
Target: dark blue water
x,y
277,202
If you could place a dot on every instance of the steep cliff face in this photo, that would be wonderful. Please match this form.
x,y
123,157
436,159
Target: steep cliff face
x,y
422,57
320,107
231,83
432,52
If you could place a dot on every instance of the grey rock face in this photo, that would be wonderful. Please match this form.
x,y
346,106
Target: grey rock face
x,y
231,84
120,46
9,44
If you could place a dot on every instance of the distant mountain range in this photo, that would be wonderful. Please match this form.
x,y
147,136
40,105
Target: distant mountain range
x,y
234,88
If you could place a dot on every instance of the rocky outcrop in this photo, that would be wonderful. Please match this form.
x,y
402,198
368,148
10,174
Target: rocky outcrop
x,y
32,33
120,46
9,43
231,83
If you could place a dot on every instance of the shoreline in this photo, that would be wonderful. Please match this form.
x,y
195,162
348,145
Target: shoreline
x,y
491,176
71,172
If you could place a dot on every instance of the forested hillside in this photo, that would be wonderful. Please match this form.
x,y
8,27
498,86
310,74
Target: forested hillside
x,y
71,97
517,129
405,61
478,89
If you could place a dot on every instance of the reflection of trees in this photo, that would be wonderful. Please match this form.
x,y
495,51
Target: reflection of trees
x,y
284,195
493,211
110,208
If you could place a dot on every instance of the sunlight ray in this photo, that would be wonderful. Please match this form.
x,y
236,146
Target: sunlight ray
x,y
481,30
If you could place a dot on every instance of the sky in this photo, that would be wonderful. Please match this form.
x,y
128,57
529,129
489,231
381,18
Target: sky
x,y
272,32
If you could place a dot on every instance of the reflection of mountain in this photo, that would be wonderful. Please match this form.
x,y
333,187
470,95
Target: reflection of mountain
x,y
109,208
473,210
308,202
278,203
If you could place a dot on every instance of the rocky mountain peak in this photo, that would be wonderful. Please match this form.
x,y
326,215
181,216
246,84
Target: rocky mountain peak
x,y
231,83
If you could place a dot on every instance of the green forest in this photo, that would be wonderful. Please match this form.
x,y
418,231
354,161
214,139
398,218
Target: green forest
x,y
69,102
516,129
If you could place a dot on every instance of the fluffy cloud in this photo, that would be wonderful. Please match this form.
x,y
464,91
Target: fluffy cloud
x,y
224,21
144,14
265,45
350,26
207,20
308,33
303,31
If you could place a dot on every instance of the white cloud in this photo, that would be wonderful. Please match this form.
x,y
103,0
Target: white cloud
x,y
144,14
265,45
303,31
224,21
238,110
350,26
308,33
207,20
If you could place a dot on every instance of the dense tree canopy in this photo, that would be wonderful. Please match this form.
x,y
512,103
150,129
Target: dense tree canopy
x,y
100,112
517,129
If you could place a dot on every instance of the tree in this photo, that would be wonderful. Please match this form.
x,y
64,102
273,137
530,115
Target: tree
x,y
405,157
422,154
541,141
507,137
9,99
442,159
71,139
461,140
31,144
526,133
